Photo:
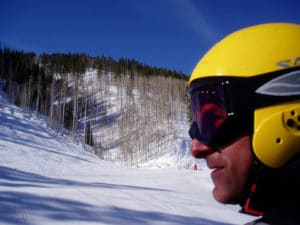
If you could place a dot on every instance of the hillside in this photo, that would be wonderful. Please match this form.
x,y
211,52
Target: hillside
x,y
128,112
46,178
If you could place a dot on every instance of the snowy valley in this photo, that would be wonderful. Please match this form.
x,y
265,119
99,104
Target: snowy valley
x,y
47,178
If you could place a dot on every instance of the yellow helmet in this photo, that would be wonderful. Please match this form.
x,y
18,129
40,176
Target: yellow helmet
x,y
252,75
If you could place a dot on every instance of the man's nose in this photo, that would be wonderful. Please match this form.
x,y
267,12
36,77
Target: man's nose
x,y
200,150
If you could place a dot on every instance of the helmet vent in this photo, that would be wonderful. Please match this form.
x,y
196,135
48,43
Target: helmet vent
x,y
290,123
292,120
279,140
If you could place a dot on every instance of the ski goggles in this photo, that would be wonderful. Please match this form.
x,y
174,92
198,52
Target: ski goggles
x,y
217,122
223,107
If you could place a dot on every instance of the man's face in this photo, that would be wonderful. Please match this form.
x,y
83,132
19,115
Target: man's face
x,y
230,167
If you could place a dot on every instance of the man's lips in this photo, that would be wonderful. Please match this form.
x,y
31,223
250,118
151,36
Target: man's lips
x,y
216,166
217,171
213,163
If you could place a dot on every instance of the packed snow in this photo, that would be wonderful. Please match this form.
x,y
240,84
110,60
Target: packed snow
x,y
46,178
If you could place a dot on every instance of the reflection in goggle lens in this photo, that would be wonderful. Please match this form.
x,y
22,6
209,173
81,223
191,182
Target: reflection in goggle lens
x,y
220,116
209,112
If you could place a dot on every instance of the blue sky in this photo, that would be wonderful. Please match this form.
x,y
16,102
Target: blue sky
x,y
173,34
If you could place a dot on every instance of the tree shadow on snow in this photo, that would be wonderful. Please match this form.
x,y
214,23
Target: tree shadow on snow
x,y
27,179
25,142
16,206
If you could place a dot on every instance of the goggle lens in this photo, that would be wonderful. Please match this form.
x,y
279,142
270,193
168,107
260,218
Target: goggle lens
x,y
210,110
217,122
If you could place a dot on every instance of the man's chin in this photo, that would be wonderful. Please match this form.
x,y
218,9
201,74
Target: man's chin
x,y
222,197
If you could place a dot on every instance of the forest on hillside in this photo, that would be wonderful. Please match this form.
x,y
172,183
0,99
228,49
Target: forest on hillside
x,y
125,110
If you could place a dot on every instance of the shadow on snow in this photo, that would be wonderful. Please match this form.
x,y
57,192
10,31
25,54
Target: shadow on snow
x,y
25,179
15,206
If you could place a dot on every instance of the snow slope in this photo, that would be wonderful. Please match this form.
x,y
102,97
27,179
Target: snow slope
x,y
50,179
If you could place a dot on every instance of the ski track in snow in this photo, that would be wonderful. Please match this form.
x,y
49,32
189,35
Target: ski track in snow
x,y
49,179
